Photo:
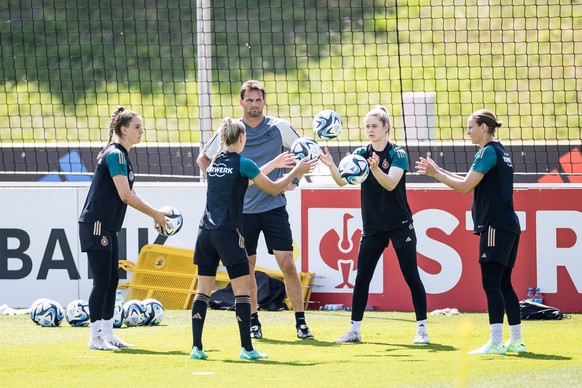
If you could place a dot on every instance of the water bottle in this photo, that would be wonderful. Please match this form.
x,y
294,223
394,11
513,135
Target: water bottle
x,y
538,296
333,307
530,294
119,298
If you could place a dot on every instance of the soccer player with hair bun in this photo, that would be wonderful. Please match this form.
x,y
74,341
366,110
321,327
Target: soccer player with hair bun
x,y
101,219
219,235
494,220
386,217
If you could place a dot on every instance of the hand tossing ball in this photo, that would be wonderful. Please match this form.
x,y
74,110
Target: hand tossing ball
x,y
354,169
175,221
305,147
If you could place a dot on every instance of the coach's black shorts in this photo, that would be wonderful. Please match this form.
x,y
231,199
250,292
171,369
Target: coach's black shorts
x,y
93,237
275,227
213,246
498,246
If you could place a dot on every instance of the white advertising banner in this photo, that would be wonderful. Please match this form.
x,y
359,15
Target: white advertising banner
x,y
40,255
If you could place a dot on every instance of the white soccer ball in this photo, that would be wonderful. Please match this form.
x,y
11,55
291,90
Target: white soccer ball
x,y
327,124
175,221
134,312
118,315
47,313
154,312
77,313
354,169
305,147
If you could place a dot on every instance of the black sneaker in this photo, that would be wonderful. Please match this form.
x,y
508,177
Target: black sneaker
x,y
303,332
256,332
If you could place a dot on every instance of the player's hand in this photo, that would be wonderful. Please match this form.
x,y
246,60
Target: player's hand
x,y
373,161
305,166
285,160
160,219
326,158
426,166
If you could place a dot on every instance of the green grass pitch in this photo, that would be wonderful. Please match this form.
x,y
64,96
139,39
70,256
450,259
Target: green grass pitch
x,y
33,356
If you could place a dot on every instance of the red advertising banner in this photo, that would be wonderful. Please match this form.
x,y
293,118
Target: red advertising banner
x,y
549,257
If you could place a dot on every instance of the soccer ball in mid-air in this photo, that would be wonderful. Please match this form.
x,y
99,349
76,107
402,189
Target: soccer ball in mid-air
x,y
354,169
134,313
77,313
154,312
305,147
175,221
327,124
47,313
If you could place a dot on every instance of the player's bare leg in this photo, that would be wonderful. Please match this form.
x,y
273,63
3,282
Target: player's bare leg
x,y
294,291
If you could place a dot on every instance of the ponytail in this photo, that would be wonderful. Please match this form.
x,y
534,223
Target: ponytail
x,y
120,118
230,131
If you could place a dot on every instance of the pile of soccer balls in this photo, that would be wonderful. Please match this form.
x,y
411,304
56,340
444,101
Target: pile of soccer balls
x,y
49,313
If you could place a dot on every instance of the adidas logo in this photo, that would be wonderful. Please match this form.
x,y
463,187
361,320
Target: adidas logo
x,y
408,239
197,316
484,256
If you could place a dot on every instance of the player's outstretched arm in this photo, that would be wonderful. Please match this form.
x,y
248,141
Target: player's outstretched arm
x,y
129,197
274,188
327,160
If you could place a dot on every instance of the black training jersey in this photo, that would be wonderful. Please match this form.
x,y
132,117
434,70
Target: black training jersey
x,y
228,180
493,196
384,210
103,202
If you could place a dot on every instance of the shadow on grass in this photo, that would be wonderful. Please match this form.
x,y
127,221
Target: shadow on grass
x,y
147,351
369,315
309,342
273,362
538,356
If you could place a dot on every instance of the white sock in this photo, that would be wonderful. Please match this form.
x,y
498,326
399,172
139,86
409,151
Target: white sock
x,y
515,332
107,328
496,333
421,326
96,329
355,326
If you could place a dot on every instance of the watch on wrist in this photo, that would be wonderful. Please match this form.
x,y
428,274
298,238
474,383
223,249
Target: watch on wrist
x,y
295,181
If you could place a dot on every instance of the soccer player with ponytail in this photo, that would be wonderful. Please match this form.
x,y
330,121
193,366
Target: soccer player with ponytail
x,y
101,219
220,235
494,220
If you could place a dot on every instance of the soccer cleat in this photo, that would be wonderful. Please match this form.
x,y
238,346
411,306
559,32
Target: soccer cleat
x,y
251,354
421,338
115,341
100,344
198,354
256,332
303,332
490,348
515,346
350,336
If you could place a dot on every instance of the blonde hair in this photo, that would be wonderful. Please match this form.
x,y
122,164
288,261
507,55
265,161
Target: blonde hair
x,y
230,131
382,114
487,117
121,117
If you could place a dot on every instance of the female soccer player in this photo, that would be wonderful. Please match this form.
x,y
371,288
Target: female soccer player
x,y
220,235
386,216
491,180
101,218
